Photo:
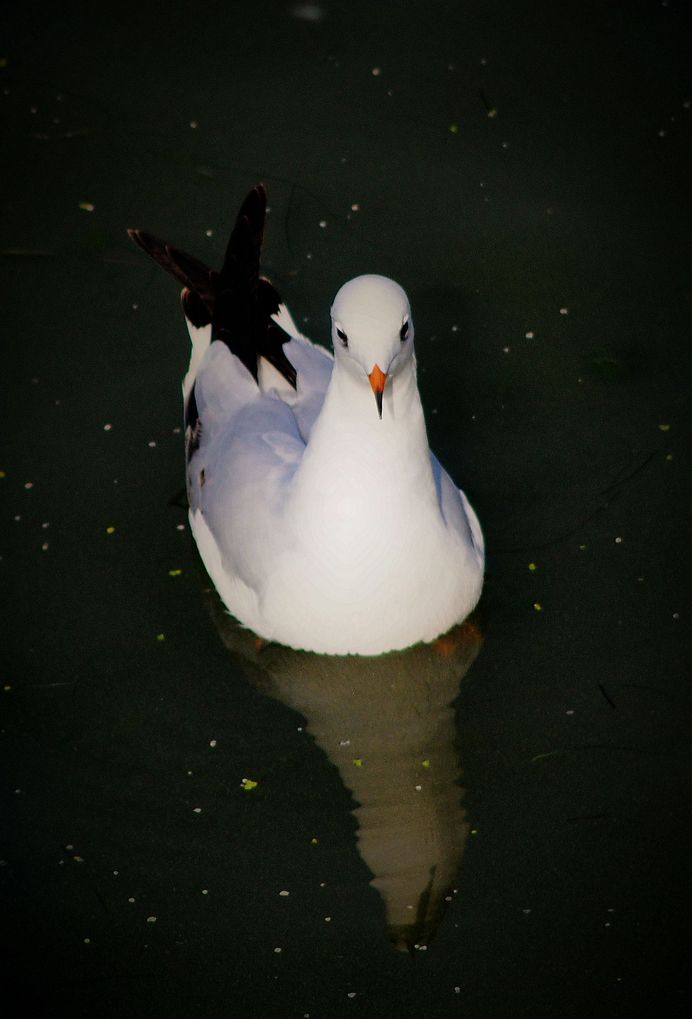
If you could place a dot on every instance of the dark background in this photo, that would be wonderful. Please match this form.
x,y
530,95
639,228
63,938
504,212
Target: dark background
x,y
509,160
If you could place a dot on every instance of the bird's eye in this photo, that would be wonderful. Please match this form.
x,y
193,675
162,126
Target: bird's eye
x,y
342,336
403,332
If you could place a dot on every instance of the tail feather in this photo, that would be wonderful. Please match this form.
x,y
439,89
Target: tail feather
x,y
237,301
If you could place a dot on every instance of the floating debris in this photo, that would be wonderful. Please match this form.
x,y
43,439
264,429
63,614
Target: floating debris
x,y
248,784
87,206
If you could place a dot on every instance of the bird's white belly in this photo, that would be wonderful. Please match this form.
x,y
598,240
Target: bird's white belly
x,y
365,595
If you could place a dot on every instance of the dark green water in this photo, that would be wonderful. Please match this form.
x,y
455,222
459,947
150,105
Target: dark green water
x,y
523,170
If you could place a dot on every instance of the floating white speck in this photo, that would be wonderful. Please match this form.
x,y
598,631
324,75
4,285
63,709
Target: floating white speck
x,y
193,124
209,233
107,428
307,12
28,484
355,207
526,911
618,541
131,898
180,527
376,72
530,335
457,989
278,951
564,311
344,743
44,546
152,444
506,350
18,517
351,994
87,941
45,524
212,742
505,145
418,788
196,810
151,919
570,711
116,872
323,223
205,891
284,893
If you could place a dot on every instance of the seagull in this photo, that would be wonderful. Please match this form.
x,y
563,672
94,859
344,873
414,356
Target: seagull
x,y
321,516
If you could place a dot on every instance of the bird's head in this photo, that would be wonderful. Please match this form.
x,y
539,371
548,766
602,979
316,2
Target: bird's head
x,y
372,331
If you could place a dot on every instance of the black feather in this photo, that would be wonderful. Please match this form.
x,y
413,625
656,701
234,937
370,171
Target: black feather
x,y
237,301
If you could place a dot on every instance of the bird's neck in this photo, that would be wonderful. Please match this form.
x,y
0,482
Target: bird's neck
x,y
363,449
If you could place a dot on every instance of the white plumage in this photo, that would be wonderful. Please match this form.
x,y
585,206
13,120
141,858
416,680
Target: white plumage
x,y
323,525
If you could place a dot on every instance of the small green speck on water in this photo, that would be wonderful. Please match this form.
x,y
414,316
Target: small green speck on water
x,y
160,636
533,567
248,784
175,573
110,530
358,761
538,607
425,763
454,129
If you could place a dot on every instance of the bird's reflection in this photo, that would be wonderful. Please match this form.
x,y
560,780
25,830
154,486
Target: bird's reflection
x,y
388,725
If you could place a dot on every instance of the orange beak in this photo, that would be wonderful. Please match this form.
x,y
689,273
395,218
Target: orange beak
x,y
377,380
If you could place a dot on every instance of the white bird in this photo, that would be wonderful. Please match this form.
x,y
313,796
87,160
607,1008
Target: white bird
x,y
319,511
